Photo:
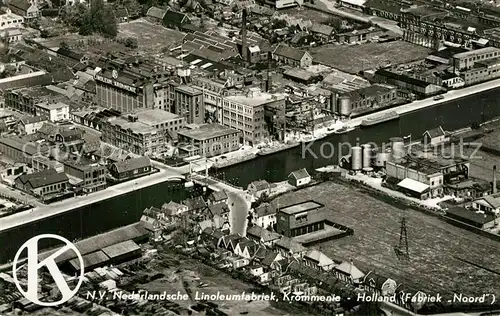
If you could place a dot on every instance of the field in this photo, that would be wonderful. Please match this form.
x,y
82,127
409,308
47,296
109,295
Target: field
x,y
151,38
437,249
307,14
355,58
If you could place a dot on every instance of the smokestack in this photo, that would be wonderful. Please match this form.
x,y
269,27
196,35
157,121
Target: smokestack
x,y
268,79
244,35
494,184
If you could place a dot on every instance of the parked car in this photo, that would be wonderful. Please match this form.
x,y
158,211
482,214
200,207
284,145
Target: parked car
x,y
439,97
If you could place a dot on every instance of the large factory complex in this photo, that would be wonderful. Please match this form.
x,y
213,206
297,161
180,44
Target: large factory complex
x,y
423,170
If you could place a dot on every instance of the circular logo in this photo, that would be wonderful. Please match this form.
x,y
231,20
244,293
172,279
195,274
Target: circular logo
x,y
114,74
33,267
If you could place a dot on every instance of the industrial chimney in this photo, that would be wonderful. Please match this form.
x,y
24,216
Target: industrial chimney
x,y
494,184
244,35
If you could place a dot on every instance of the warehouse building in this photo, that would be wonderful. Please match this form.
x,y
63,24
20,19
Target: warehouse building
x,y
300,219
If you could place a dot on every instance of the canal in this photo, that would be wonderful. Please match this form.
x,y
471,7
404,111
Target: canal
x,y
126,209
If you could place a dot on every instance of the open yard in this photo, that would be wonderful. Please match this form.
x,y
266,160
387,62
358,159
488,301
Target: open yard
x,y
355,58
151,38
438,251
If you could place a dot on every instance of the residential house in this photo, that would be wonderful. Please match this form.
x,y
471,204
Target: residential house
x,y
299,178
262,235
130,168
318,260
479,219
238,262
292,56
347,272
231,241
73,55
195,205
264,216
434,136
43,184
271,257
289,248
30,124
212,236
153,225
121,14
246,248
174,209
156,15
259,187
54,111
11,35
451,80
359,36
175,20
217,197
262,276
25,8
219,209
322,31
86,176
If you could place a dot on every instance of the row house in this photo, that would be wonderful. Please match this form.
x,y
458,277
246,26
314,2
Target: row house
x,y
348,272
262,235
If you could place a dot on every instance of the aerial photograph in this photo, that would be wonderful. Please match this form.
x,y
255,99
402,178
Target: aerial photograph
x,y
250,157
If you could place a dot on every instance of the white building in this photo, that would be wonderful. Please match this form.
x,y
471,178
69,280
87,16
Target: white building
x,y
434,136
489,204
299,178
54,111
31,125
264,216
9,20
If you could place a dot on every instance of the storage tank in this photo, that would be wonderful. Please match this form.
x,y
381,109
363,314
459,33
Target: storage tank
x,y
397,149
381,159
333,102
356,158
344,106
367,155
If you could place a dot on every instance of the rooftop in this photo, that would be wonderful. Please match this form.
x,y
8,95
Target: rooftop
x,y
208,131
255,99
301,207
425,10
471,53
188,90
52,105
155,116
135,127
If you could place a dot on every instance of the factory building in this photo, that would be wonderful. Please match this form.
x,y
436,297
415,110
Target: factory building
x,y
467,60
189,104
363,99
209,140
300,219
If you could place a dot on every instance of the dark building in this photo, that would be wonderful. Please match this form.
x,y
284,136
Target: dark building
x,y
130,168
43,184
301,218
175,20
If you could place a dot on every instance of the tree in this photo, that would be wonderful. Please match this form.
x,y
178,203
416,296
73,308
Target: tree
x,y
131,42
235,8
278,24
64,45
98,19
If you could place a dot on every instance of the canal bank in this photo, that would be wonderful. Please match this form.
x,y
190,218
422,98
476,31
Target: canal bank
x,y
109,214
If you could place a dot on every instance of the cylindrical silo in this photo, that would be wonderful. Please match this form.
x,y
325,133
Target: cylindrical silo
x,y
356,158
367,155
333,102
344,106
381,159
397,148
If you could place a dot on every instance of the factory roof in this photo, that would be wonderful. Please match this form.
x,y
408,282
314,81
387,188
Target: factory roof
x,y
188,90
208,131
155,116
289,52
475,52
386,5
42,178
255,99
301,207
131,232
52,105
424,10
401,77
489,62
90,260
373,90
22,145
413,185
299,74
469,216
135,127
322,29
121,248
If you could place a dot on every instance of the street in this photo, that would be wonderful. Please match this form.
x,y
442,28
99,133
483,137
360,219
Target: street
x,y
239,206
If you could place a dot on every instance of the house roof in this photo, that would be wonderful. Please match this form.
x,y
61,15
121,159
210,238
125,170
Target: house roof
x,y
289,244
20,4
132,164
155,12
218,209
470,216
350,269
260,185
264,209
217,196
435,132
172,207
413,185
493,200
195,203
270,258
319,257
289,52
69,53
300,174
42,178
322,29
262,234
174,17
33,119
